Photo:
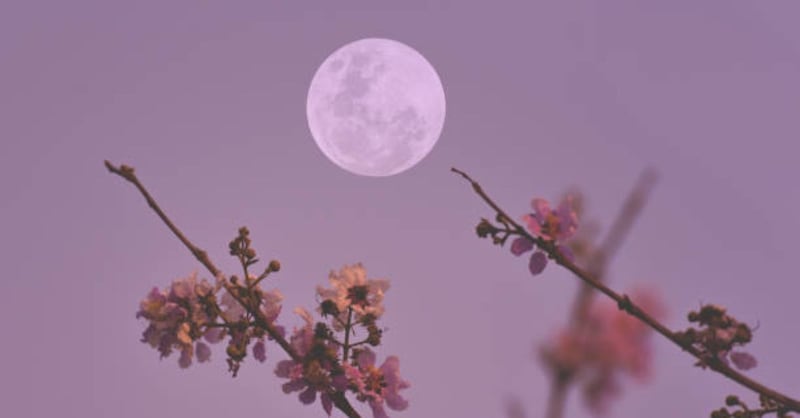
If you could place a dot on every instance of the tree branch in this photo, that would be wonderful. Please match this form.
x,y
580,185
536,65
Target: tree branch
x,y
127,173
625,303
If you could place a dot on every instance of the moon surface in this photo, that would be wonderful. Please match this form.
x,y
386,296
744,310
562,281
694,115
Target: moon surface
x,y
375,107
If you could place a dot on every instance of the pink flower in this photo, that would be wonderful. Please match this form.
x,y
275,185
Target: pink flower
x,y
352,290
312,373
609,344
550,225
176,318
260,351
377,385
558,225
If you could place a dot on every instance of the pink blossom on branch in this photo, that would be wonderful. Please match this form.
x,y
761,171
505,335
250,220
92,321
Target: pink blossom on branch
x,y
314,371
550,225
177,318
189,310
377,385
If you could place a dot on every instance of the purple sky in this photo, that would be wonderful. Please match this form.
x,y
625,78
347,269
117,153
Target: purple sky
x,y
207,101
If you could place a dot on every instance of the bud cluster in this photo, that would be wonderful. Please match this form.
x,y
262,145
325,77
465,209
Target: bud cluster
x,y
717,335
740,410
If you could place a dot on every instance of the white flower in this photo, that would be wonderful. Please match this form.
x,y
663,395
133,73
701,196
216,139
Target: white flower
x,y
352,290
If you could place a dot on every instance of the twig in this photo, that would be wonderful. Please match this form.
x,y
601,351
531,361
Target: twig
x,y
128,174
625,303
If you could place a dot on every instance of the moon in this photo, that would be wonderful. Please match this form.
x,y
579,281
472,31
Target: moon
x,y
375,107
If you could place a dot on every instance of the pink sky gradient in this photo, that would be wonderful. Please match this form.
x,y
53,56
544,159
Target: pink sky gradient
x,y
207,100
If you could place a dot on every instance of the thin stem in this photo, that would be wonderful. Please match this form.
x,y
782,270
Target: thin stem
x,y
557,398
127,173
347,327
263,275
625,303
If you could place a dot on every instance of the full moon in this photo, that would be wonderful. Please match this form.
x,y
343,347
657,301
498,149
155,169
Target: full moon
x,y
375,107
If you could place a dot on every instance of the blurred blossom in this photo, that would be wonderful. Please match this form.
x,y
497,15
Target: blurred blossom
x,y
609,344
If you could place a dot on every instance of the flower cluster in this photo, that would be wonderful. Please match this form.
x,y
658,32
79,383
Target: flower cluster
x,y
352,297
329,362
317,368
718,334
178,318
552,226
190,311
608,344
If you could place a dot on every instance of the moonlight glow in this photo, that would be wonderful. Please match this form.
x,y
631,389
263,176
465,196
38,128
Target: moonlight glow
x,y
375,107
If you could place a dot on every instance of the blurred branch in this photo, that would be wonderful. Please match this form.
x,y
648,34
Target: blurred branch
x,y
127,173
617,233
596,265
626,304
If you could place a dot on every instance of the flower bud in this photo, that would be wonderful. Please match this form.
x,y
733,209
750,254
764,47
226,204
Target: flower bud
x,y
484,228
235,351
328,307
375,333
274,265
732,400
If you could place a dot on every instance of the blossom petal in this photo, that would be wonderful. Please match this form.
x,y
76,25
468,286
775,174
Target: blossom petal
x,y
521,245
366,358
214,335
396,402
283,368
203,352
533,224
293,386
537,263
542,209
308,396
377,410
186,358
327,404
260,351
742,360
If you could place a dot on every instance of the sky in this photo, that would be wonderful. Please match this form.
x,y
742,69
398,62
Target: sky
x,y
207,101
